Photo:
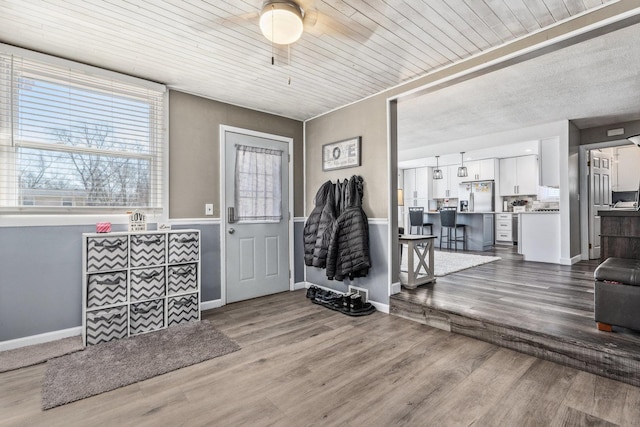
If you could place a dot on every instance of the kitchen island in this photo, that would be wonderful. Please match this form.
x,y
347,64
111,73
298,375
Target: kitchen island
x,y
480,229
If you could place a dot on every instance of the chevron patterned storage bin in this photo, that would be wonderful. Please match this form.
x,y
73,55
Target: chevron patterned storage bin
x,y
107,253
106,325
146,316
183,309
182,278
147,249
147,283
138,281
107,289
183,247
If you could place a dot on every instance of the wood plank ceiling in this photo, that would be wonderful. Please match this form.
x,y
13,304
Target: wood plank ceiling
x,y
350,49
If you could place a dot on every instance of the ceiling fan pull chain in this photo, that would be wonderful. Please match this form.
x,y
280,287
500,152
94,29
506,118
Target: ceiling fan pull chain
x,y
273,55
289,62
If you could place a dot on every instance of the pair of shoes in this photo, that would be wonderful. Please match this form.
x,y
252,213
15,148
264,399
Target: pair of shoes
x,y
334,301
326,297
346,301
356,306
311,291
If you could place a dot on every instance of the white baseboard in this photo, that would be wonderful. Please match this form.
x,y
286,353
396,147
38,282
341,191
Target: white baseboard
x,y
40,338
300,285
208,305
396,288
384,308
570,261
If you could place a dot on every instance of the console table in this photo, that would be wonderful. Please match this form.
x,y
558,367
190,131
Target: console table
x,y
422,247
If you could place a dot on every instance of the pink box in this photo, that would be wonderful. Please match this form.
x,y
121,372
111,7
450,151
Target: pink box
x,y
103,227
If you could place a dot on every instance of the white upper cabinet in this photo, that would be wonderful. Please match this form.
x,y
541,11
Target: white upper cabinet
x,y
422,183
416,186
480,170
447,187
519,176
550,162
454,181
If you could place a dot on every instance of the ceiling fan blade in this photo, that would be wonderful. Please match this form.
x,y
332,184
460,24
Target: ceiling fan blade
x,y
229,22
342,24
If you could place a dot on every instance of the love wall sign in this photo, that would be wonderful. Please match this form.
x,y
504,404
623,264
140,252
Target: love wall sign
x,y
341,154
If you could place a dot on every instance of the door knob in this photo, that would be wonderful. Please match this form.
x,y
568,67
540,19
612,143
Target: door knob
x,y
232,230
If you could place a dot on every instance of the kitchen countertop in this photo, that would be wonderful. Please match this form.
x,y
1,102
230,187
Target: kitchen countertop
x,y
539,212
463,213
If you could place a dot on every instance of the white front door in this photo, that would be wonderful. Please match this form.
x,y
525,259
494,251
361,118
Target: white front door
x,y
599,195
256,218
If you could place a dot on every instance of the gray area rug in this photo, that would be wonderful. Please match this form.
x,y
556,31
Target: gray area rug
x,y
115,364
38,353
449,262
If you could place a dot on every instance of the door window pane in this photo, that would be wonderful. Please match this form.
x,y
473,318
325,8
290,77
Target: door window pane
x,y
258,183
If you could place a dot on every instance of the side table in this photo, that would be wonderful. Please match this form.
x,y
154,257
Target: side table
x,y
423,271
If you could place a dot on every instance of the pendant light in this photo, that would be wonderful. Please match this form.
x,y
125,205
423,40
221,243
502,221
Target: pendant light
x,y
437,172
462,170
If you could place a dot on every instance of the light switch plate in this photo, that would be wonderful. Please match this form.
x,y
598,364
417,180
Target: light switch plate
x,y
208,209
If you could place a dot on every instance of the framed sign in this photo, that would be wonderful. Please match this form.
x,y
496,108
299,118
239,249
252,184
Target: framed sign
x,y
341,154
137,221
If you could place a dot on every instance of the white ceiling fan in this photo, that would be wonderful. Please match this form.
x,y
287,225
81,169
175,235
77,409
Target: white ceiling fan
x,y
283,22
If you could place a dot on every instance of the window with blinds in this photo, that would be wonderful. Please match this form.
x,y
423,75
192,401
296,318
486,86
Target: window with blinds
x,y
73,140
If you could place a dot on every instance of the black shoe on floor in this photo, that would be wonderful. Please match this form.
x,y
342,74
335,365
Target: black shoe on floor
x,y
355,303
311,291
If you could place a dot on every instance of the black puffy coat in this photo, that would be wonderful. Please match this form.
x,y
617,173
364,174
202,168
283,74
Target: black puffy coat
x,y
348,255
312,228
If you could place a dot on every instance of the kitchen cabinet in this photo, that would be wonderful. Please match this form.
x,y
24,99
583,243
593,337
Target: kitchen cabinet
x,y
416,186
504,229
625,168
481,170
519,176
539,238
447,187
549,151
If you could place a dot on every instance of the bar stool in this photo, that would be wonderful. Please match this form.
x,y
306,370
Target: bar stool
x,y
449,220
416,219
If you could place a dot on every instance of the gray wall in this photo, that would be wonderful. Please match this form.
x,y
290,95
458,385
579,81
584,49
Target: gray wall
x,y
377,279
298,252
367,119
194,151
574,189
41,276
599,134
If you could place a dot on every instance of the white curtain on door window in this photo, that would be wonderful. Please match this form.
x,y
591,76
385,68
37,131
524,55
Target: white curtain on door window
x,y
258,184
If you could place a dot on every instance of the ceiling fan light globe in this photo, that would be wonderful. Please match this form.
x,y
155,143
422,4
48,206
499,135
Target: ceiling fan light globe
x,y
281,23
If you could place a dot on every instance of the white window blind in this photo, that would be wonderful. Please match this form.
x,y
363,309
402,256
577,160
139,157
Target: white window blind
x,y
258,184
72,140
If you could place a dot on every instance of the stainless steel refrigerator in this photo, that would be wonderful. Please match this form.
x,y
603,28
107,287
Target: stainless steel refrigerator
x,y
479,195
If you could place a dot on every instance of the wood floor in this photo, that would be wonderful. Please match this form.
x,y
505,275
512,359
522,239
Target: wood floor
x,y
545,310
303,365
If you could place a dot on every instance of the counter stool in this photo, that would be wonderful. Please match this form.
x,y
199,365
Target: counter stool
x,y
449,220
416,219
